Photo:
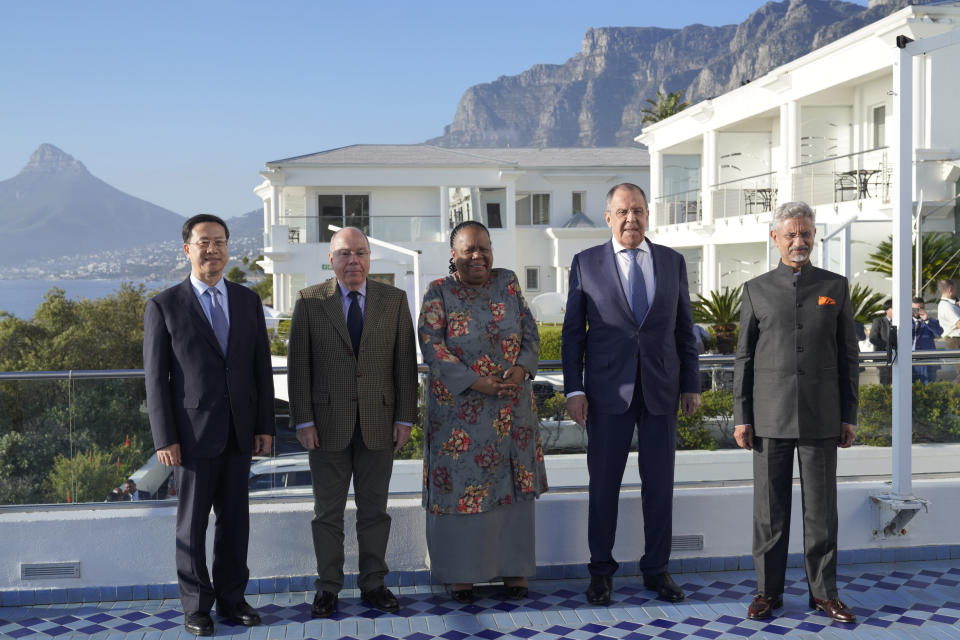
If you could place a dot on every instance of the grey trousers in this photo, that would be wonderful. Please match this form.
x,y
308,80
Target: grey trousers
x,y
331,472
772,493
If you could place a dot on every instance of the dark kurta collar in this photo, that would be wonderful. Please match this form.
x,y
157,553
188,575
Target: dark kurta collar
x,y
786,271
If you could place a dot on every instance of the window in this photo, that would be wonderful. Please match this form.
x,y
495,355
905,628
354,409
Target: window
x,y
879,127
533,279
342,211
533,209
578,204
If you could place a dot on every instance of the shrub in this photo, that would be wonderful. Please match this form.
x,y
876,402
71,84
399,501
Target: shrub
x,y
936,414
549,341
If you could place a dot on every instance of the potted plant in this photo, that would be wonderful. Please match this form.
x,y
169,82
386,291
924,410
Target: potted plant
x,y
722,312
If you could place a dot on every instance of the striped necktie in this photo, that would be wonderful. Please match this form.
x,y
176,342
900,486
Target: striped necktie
x,y
638,288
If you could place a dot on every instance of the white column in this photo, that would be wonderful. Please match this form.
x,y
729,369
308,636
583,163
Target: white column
x,y
902,151
709,268
444,210
656,189
709,172
789,150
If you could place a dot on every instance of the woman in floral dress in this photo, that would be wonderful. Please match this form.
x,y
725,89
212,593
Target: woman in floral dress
x,y
483,458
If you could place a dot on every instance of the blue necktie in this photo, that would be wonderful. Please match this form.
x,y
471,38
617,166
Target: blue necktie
x,y
638,288
219,318
355,321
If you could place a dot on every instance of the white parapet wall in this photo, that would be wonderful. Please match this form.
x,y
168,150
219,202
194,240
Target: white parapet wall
x,y
129,544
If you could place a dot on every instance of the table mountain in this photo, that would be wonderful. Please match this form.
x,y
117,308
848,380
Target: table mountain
x,y
596,97
56,207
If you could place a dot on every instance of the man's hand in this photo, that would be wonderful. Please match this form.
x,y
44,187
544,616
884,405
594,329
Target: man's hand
x,y
401,433
308,438
493,386
261,444
847,435
577,408
169,455
689,403
743,434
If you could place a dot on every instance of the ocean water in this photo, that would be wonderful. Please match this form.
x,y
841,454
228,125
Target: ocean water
x,y
22,297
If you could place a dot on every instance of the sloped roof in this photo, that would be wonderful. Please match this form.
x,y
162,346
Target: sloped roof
x,y
427,155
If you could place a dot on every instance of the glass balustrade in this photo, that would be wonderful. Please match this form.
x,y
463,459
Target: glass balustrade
x,y
79,437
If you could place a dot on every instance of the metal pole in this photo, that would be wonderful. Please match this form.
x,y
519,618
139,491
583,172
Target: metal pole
x,y
902,227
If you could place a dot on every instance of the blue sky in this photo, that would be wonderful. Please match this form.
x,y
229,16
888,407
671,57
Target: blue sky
x,y
181,103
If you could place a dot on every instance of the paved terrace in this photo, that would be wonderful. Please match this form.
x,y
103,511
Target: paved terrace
x,y
911,599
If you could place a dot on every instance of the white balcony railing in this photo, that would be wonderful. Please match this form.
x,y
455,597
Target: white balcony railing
x,y
855,176
678,208
744,196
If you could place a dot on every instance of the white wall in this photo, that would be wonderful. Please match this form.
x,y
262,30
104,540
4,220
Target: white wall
x,y
133,545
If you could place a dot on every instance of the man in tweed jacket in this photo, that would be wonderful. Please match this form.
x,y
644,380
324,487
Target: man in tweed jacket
x,y
353,398
795,388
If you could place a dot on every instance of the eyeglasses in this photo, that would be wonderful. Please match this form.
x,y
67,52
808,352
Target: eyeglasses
x,y
346,253
636,213
205,244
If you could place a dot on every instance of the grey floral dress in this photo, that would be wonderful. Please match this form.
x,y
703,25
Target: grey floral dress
x,y
481,451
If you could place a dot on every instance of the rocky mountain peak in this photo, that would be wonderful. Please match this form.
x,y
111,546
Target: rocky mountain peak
x,y
50,159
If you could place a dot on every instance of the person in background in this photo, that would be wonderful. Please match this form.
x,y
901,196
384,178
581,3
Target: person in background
x,y
880,339
925,332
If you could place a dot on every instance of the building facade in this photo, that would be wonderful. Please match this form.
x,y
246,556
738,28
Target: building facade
x,y
821,129
541,206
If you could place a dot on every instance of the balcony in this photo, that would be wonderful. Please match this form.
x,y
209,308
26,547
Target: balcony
x,y
744,196
678,208
312,229
867,175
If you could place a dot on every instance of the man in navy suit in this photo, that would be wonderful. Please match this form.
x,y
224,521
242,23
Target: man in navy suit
x,y
210,400
629,360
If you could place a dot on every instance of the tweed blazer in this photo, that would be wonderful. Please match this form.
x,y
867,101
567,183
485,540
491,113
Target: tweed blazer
x,y
796,372
328,384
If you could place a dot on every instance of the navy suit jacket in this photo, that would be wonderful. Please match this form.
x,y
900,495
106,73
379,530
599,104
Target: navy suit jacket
x,y
603,347
192,389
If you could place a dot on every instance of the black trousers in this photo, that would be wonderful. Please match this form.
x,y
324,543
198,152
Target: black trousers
x,y
608,446
772,496
219,483
331,472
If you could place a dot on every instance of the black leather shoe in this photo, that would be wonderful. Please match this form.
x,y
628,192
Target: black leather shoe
x,y
324,604
381,598
517,593
599,590
834,609
241,613
463,596
199,623
665,587
762,606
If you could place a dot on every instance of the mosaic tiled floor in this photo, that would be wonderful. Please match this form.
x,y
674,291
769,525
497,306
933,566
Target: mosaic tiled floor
x,y
912,600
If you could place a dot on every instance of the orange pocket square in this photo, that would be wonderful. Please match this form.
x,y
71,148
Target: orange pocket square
x,y
826,300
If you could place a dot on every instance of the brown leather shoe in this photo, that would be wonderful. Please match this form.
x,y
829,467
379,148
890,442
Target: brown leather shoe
x,y
834,609
762,606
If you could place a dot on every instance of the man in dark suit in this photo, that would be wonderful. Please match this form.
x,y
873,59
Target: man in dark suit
x,y
880,338
629,359
795,388
353,396
210,400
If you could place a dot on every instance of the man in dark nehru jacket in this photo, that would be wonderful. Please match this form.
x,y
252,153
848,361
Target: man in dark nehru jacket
x,y
795,388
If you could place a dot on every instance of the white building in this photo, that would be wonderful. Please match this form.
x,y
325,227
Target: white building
x,y
820,129
411,195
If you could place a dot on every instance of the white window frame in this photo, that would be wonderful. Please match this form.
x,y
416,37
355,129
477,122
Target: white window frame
x,y
531,195
526,278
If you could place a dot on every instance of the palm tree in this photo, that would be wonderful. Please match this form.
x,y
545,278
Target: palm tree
x,y
722,311
662,106
941,259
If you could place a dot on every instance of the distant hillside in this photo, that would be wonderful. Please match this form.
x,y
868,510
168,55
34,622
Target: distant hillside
x,y
55,207
596,97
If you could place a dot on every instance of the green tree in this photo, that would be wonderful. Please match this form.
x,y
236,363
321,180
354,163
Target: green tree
x,y
41,420
867,303
264,289
662,106
236,274
941,259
